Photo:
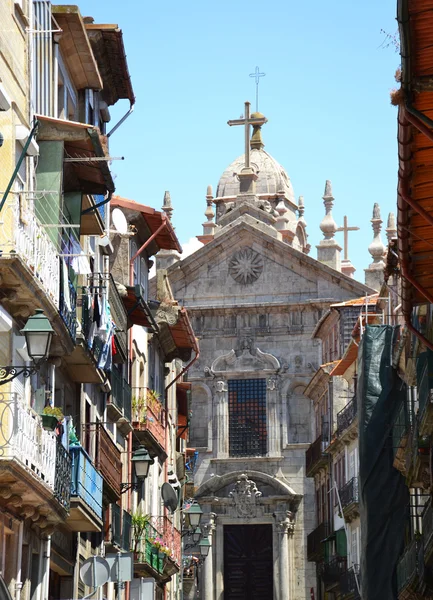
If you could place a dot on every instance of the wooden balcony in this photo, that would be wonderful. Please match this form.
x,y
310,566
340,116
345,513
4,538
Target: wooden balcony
x,y
86,493
315,458
107,458
34,472
315,545
149,420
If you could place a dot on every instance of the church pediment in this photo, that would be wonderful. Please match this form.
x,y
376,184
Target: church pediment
x,y
247,265
248,360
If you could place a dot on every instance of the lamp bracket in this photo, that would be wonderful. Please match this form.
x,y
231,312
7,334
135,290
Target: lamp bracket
x,y
10,372
124,487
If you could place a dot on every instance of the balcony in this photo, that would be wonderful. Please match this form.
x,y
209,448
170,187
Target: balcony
x,y
425,393
34,472
147,560
68,305
427,530
400,432
113,527
120,318
30,269
349,498
126,531
149,420
119,403
315,458
107,458
315,545
332,571
346,420
86,493
350,583
410,569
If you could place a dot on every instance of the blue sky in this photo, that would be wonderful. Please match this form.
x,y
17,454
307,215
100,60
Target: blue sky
x,y
325,94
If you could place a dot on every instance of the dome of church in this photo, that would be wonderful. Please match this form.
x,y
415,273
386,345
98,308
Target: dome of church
x,y
272,177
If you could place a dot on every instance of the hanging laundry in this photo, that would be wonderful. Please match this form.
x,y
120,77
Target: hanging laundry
x,y
65,286
79,263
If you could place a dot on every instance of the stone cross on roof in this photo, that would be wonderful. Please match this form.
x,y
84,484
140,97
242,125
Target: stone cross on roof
x,y
346,230
254,119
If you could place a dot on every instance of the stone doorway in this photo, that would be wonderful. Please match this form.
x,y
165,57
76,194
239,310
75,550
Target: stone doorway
x,y
248,573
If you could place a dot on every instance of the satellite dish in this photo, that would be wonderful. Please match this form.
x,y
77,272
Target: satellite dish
x,y
95,572
169,497
119,221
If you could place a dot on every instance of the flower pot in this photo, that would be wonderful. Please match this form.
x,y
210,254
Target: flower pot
x,y
49,422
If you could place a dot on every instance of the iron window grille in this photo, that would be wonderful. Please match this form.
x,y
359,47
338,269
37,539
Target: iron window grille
x,y
247,417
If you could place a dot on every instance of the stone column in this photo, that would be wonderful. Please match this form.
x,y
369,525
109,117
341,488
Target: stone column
x,y
284,522
274,443
222,419
208,569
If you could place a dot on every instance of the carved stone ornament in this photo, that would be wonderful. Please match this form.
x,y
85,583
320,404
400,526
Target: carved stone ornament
x,y
248,360
272,384
245,495
167,313
221,386
245,266
285,522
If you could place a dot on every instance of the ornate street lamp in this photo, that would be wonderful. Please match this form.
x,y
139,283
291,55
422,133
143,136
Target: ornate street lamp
x,y
141,461
204,545
194,512
38,333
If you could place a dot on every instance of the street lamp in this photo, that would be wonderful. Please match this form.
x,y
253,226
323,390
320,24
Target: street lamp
x,y
194,512
38,333
141,461
204,545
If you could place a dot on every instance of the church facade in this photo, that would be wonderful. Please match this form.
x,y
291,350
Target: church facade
x,y
255,297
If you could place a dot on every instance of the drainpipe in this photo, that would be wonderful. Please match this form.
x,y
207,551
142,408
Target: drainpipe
x,y
183,370
18,582
47,569
122,120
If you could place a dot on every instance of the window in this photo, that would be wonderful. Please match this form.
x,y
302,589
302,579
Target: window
x,y
247,417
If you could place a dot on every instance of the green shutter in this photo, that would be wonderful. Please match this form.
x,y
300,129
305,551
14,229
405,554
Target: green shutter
x,y
340,542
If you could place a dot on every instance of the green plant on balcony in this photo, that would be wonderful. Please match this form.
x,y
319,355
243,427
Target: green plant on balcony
x,y
51,415
139,523
138,406
153,399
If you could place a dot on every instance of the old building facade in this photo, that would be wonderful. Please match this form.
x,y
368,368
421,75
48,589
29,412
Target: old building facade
x,y
255,297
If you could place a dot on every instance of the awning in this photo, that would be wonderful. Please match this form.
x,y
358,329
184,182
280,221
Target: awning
x,y
137,309
166,238
182,332
81,141
76,49
108,48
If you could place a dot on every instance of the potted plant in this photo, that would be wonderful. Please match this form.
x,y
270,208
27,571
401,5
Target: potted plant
x,y
139,523
51,415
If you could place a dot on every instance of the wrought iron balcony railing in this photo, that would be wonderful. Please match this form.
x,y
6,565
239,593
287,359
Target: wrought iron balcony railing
x,y
86,481
121,394
410,567
347,415
315,546
348,585
427,523
315,457
163,530
23,235
349,493
107,456
62,480
119,316
68,305
23,439
148,414
332,571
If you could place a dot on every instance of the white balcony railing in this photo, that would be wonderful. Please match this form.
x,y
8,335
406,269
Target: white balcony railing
x,y
29,240
23,439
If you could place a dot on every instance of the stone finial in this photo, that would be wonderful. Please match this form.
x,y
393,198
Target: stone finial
x,y
209,226
374,273
376,248
301,209
391,229
167,206
328,225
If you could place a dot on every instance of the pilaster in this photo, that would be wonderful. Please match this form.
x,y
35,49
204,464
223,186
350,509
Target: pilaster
x,y
222,418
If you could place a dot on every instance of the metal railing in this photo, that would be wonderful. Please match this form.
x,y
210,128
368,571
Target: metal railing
x,y
410,567
22,438
349,492
86,481
427,523
150,414
68,306
107,455
315,546
116,525
119,316
34,245
331,571
171,537
423,389
399,428
347,415
121,393
126,531
348,584
314,454
62,480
